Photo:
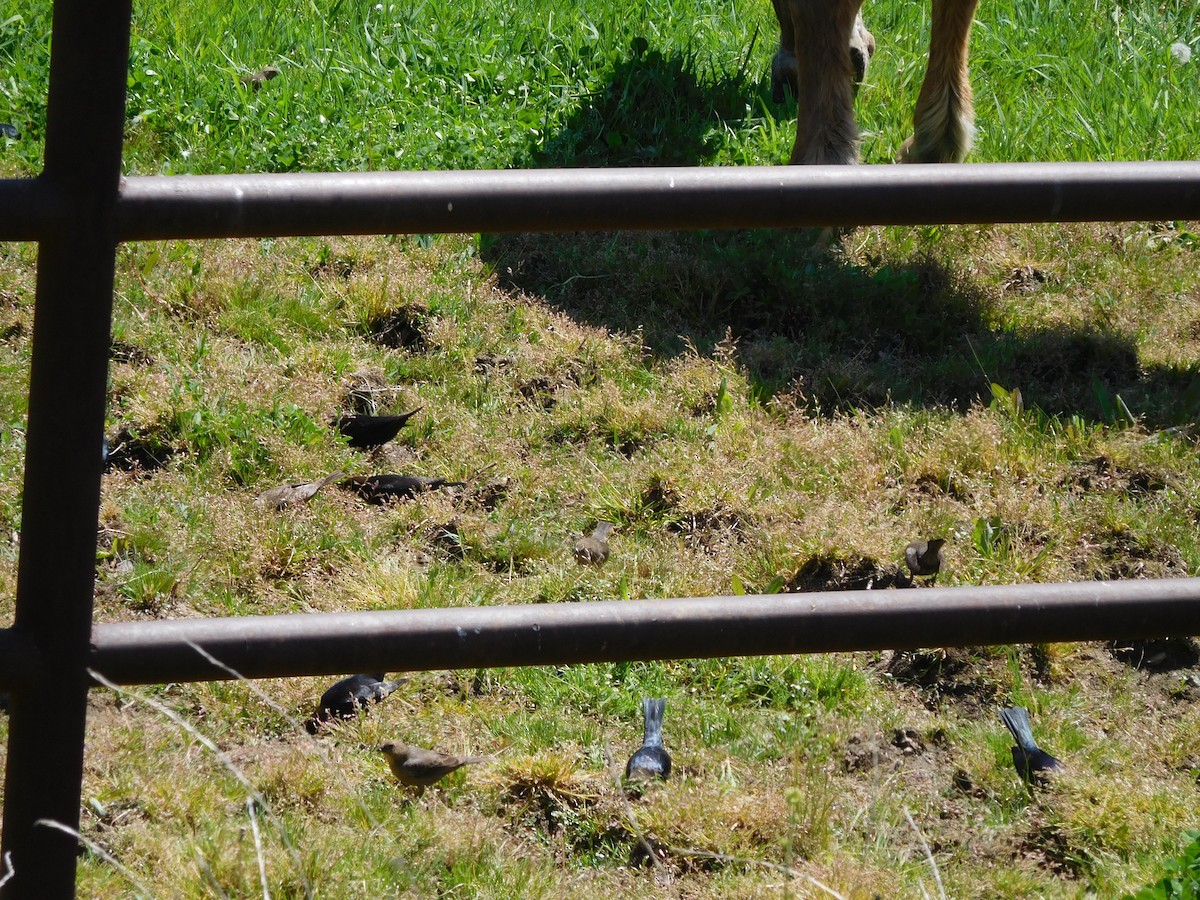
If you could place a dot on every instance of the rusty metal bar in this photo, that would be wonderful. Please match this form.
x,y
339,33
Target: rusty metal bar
x,y
210,206
85,118
610,631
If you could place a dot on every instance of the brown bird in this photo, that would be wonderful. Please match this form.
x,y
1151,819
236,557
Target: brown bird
x,y
294,494
924,558
593,549
380,489
419,768
367,432
256,81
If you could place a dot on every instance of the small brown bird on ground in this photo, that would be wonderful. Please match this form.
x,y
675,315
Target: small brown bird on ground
x,y
367,432
259,78
924,558
380,489
344,698
593,549
295,494
419,768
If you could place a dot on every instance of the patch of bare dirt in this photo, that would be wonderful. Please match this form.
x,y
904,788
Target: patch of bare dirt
x,y
368,390
1117,555
709,527
1025,280
830,572
401,329
1102,474
955,673
130,354
140,450
1167,654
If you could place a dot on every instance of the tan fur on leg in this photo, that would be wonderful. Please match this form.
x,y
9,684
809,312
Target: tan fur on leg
x,y
944,118
825,127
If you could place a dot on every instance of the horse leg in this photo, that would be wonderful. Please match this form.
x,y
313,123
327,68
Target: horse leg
x,y
785,70
825,127
944,118
862,48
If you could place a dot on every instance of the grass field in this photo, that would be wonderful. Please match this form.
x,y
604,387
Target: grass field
x,y
755,411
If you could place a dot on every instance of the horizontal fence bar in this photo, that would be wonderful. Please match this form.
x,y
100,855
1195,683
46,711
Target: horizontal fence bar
x,y
211,206
619,630
214,206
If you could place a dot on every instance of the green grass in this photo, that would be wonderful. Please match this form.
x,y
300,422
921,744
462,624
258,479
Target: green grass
x,y
755,411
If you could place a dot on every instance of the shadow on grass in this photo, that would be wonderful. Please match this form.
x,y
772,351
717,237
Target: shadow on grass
x,y
837,335
655,110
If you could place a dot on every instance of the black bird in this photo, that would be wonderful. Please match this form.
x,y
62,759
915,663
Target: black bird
x,y
651,760
384,488
925,558
1031,761
344,698
366,432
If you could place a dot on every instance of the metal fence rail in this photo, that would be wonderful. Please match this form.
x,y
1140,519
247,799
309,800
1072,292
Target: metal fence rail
x,y
80,208
615,631
222,206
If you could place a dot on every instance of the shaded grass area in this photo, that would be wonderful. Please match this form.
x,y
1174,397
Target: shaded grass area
x,y
865,324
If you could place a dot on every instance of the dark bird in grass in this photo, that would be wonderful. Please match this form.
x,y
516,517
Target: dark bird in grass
x,y
1031,761
419,768
259,78
294,494
367,432
651,760
379,489
924,558
345,698
593,549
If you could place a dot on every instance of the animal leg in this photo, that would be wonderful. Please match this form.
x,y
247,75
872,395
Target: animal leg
x,y
825,127
785,70
944,118
862,48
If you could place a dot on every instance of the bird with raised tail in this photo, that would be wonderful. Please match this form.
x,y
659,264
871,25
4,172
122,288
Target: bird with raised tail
x,y
1031,761
592,550
651,760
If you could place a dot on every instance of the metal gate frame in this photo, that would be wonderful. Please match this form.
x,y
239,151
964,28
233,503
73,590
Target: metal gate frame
x,y
78,210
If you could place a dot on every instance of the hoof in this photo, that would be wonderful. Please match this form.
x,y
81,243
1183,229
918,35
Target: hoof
x,y
862,48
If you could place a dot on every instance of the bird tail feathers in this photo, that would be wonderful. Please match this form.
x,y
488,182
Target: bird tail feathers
x,y
1016,720
652,710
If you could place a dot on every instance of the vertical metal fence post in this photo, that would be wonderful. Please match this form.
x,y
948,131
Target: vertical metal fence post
x,y
68,382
